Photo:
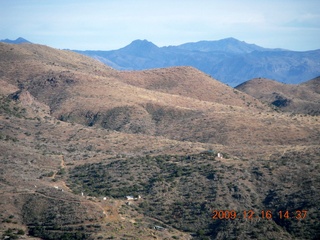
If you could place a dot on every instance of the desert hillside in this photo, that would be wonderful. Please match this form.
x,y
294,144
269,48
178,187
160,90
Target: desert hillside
x,y
200,109
301,98
77,137
313,84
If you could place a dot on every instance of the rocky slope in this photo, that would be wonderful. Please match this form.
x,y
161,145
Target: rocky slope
x,y
302,98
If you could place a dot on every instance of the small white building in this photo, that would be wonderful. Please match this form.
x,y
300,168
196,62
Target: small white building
x,y
129,198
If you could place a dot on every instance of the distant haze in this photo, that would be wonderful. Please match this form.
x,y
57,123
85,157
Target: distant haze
x,y
106,25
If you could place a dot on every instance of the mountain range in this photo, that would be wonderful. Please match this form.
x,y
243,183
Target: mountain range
x,y
91,152
19,40
77,137
229,60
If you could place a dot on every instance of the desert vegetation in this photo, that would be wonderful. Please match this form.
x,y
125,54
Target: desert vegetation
x,y
182,191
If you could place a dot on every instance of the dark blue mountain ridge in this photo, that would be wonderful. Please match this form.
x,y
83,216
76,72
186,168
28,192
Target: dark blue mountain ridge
x,y
19,40
229,60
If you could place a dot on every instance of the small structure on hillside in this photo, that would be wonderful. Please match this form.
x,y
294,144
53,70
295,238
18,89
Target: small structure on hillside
x,y
130,198
219,155
159,228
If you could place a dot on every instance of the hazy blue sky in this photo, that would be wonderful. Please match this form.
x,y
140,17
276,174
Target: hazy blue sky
x,y
112,24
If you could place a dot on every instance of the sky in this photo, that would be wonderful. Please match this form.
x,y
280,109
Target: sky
x,y
113,24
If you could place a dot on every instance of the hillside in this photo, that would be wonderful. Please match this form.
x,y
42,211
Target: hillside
x,y
78,89
187,82
77,137
301,99
229,60
313,84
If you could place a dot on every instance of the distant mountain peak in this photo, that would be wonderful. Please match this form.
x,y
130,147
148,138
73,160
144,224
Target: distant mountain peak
x,y
19,40
231,39
144,41
138,45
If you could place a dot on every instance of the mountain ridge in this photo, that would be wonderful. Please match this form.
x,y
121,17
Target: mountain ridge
x,y
231,45
228,60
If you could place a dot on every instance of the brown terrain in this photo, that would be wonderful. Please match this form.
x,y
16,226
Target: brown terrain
x,y
301,98
77,137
